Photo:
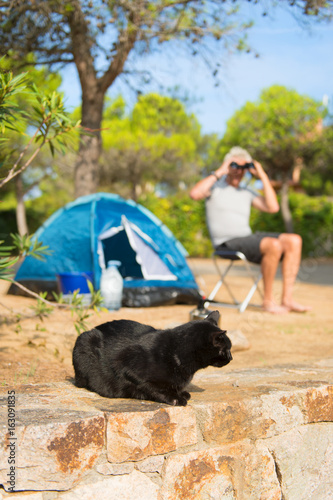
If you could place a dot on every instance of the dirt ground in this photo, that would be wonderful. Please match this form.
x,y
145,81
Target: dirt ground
x,y
34,350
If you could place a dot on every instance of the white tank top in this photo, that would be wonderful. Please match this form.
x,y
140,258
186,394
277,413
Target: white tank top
x,y
228,211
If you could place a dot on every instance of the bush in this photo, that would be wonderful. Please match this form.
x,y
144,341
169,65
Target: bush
x,y
185,218
37,211
8,223
313,220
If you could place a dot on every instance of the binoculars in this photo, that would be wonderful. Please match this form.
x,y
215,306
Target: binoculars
x,y
234,165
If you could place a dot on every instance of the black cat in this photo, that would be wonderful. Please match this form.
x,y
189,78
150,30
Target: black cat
x,y
126,359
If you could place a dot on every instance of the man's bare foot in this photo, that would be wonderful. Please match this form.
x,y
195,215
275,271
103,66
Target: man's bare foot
x,y
273,308
295,307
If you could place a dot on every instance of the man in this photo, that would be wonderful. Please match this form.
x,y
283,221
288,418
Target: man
x,y
228,208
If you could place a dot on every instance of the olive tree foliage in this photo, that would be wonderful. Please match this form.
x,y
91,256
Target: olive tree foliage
x,y
42,166
279,129
318,179
105,39
44,112
52,127
158,142
30,121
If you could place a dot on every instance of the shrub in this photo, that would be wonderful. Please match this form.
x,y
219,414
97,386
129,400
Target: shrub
x,y
313,220
185,218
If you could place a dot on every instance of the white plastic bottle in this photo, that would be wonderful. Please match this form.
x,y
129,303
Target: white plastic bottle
x,y
112,286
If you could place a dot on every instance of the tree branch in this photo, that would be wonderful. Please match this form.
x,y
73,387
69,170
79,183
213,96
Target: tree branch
x,y
81,46
33,294
11,174
125,44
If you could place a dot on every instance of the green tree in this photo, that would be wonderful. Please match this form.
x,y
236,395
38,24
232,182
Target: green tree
x,y
157,142
318,178
51,127
44,113
105,38
40,168
55,128
278,129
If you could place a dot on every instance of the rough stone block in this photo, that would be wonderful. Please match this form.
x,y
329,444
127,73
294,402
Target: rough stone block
x,y
54,453
319,404
108,469
238,340
242,472
151,464
137,435
136,486
264,414
304,461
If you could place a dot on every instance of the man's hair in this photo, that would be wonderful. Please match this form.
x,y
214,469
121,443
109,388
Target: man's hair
x,y
239,152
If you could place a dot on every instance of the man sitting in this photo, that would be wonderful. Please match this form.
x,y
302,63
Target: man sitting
x,y
228,207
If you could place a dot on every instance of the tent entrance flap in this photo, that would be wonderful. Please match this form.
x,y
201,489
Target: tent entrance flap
x,y
136,252
117,247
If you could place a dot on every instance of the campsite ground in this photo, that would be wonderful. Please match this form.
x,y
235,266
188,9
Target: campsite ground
x,y
34,351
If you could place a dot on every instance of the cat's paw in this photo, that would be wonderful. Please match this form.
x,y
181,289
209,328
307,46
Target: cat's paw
x,y
181,400
186,395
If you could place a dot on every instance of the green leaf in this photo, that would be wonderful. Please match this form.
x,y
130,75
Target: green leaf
x,y
51,148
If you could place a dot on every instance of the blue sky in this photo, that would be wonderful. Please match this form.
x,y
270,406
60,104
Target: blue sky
x,y
289,55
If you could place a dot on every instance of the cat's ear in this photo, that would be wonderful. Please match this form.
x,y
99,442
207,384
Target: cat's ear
x,y
213,317
218,338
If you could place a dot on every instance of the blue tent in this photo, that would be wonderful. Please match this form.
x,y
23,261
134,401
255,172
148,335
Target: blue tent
x,y
87,233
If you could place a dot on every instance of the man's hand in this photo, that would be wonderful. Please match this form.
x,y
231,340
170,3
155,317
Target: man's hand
x,y
223,169
268,202
257,171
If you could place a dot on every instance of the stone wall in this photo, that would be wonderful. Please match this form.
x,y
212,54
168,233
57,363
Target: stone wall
x,y
251,434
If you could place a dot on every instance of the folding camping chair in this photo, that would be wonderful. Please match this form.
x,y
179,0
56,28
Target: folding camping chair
x,y
232,256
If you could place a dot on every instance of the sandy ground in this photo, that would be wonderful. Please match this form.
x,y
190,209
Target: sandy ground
x,y
34,350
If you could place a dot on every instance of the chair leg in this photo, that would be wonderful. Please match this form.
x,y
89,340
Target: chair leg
x,y
215,290
221,282
241,306
247,299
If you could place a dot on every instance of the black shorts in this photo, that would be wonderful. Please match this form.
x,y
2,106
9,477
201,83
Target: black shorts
x,y
248,245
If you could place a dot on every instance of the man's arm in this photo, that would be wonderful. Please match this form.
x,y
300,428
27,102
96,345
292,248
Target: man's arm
x,y
203,188
268,202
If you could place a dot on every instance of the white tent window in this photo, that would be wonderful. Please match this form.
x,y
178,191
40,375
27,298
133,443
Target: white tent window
x,y
152,266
